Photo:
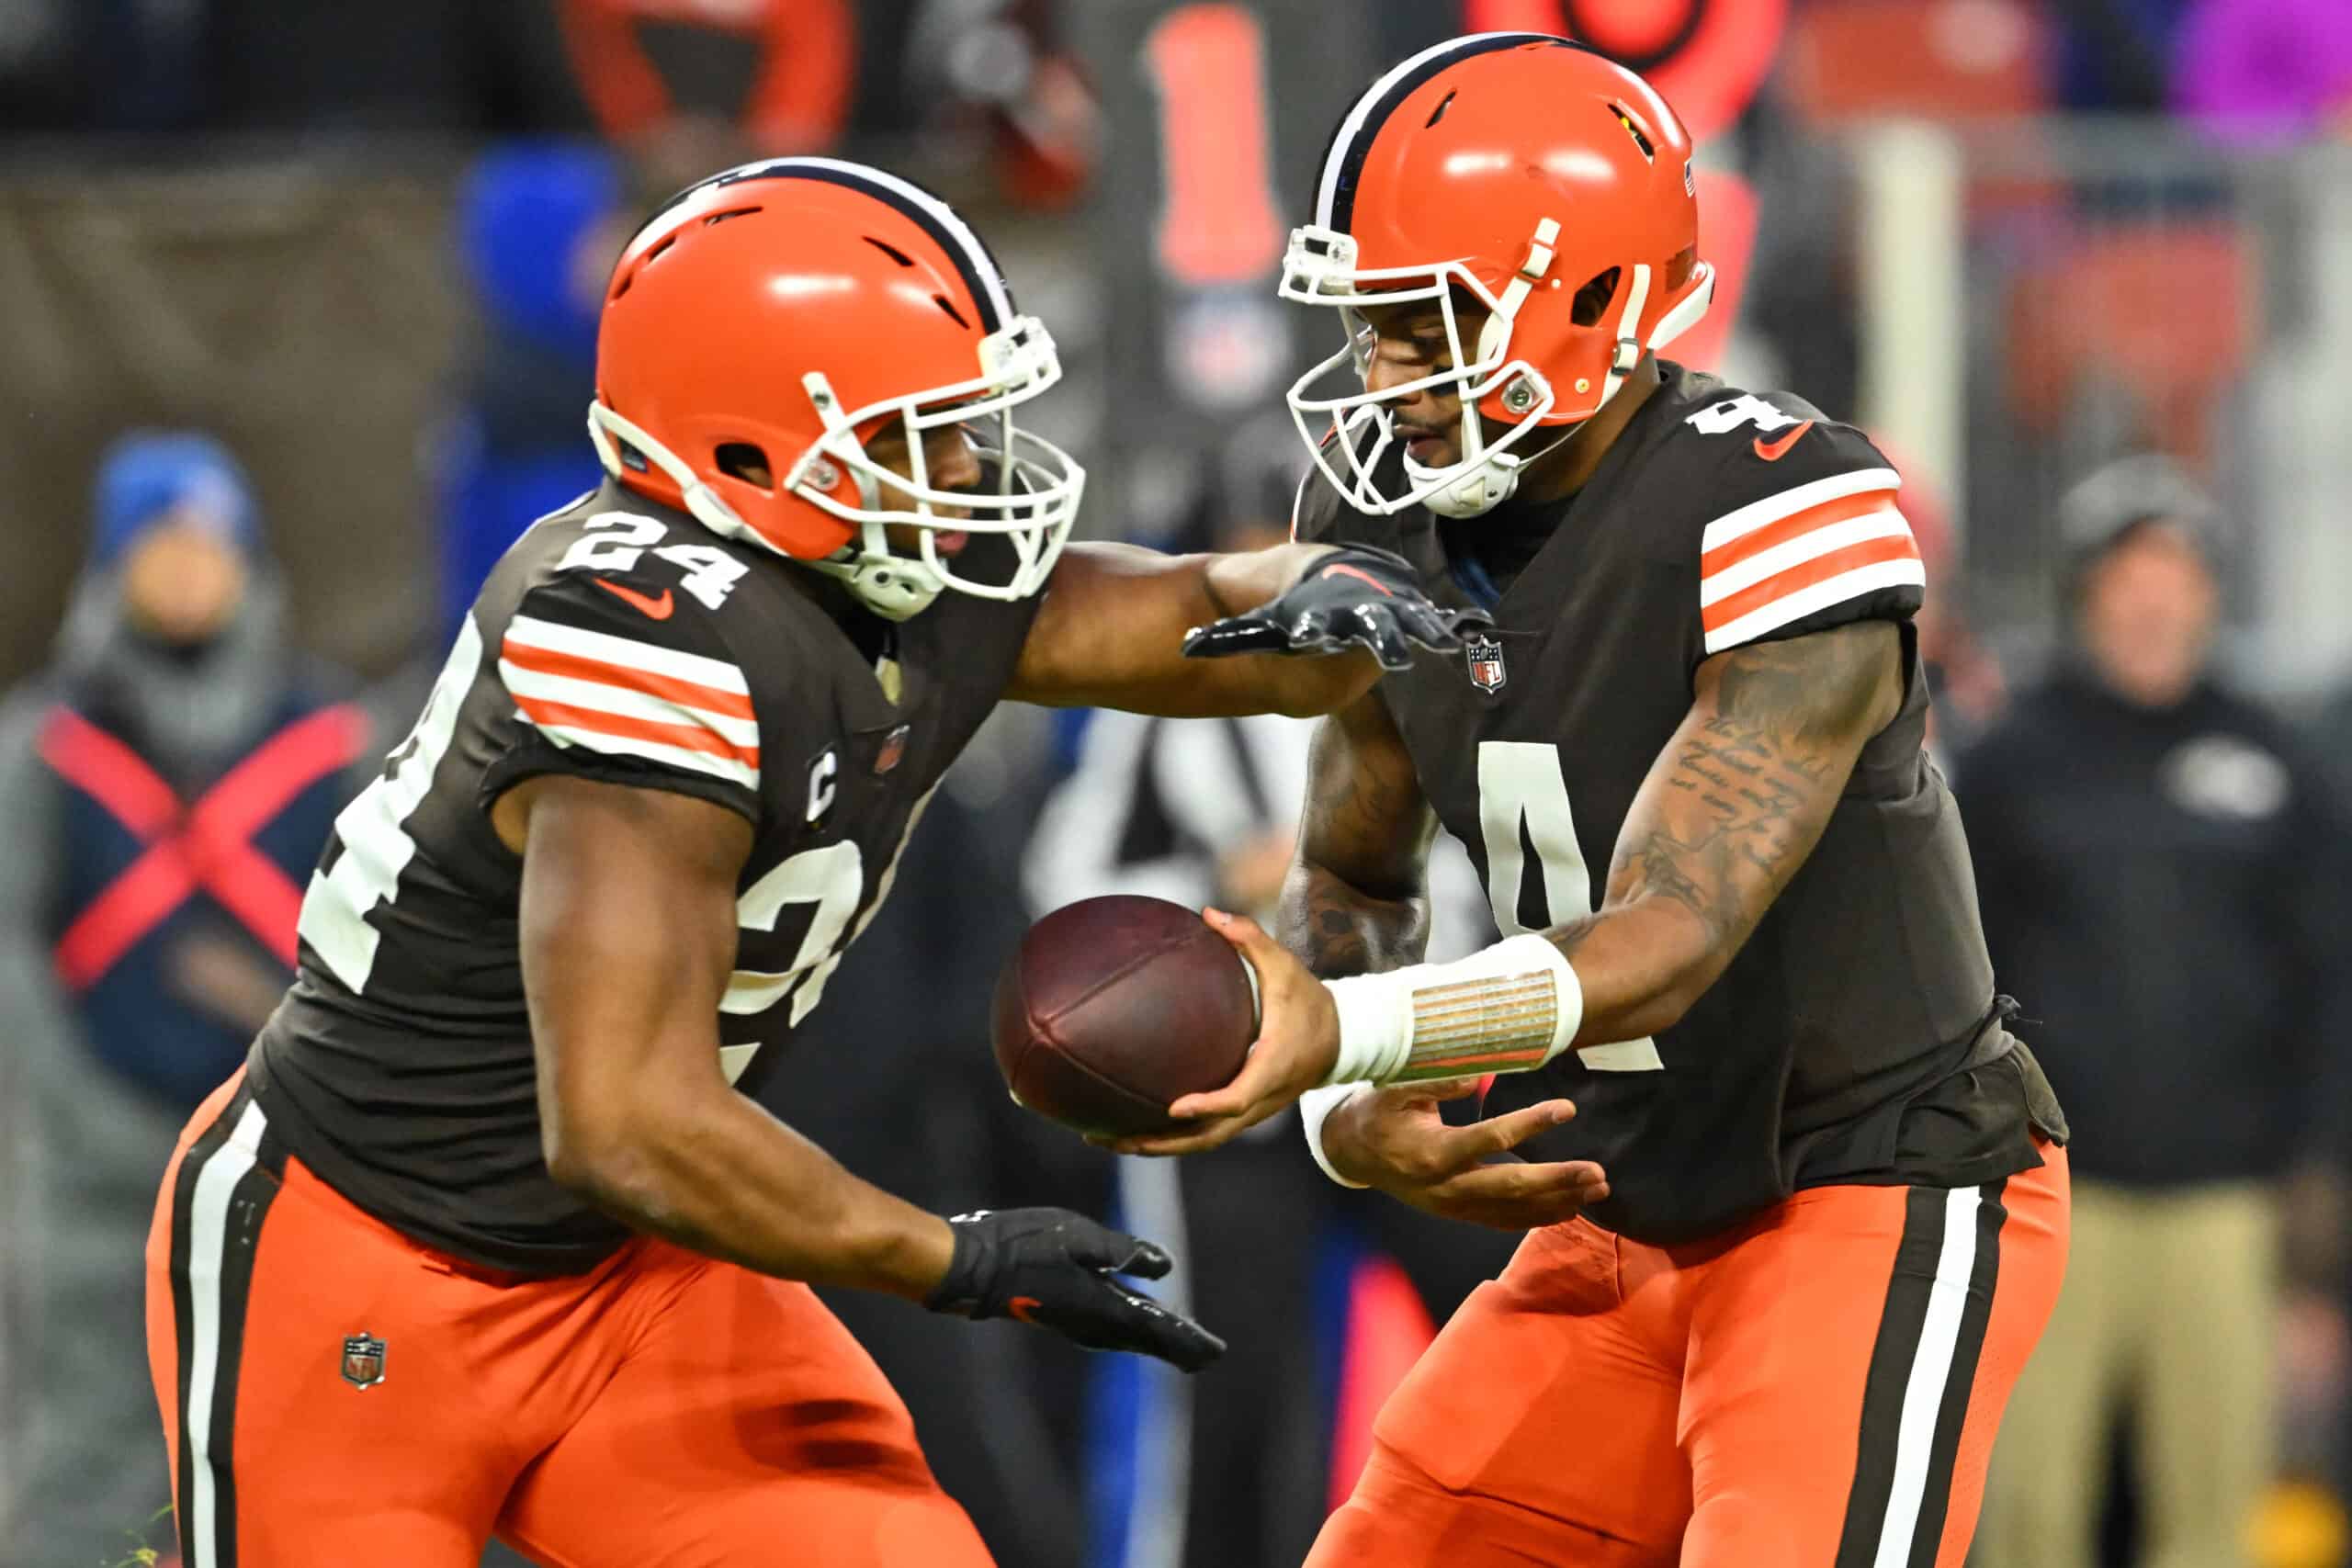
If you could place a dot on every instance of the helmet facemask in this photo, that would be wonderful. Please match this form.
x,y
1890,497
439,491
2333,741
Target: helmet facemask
x,y
1034,503
1320,270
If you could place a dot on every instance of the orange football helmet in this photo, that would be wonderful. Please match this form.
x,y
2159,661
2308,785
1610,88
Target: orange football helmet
x,y
791,308
1515,168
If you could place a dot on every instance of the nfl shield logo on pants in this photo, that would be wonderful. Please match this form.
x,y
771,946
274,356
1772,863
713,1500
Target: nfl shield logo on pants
x,y
363,1361
1485,656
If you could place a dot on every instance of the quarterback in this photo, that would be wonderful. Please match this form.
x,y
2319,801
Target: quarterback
x,y
1786,1261
488,1236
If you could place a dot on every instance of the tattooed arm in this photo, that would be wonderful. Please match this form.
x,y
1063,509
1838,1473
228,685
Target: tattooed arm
x,y
1730,809
1357,897
1357,902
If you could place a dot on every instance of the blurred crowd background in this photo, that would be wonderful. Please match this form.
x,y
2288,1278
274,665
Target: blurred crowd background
x,y
296,333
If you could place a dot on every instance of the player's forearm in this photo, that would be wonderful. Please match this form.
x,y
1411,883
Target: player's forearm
x,y
1640,966
1605,979
1729,812
1111,634
1243,581
715,1173
1338,928
1302,688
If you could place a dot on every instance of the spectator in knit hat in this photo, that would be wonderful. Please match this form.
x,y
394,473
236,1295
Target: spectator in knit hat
x,y
164,788
2161,869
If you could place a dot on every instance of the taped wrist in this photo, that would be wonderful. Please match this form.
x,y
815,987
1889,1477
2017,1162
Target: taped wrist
x,y
1315,1107
1506,1008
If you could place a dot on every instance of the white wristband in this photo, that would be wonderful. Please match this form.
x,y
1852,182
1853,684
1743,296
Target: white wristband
x,y
1314,1107
1376,1023
1509,1008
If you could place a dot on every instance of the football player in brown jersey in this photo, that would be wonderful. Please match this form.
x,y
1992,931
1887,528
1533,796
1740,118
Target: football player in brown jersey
x,y
1783,1266
485,1238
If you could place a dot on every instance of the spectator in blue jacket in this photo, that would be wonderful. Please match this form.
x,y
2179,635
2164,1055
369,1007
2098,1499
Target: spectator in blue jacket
x,y
165,790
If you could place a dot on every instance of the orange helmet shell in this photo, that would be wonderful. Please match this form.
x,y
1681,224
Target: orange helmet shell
x,y
1465,156
726,300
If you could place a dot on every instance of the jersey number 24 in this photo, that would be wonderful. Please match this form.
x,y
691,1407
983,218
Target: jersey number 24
x,y
377,849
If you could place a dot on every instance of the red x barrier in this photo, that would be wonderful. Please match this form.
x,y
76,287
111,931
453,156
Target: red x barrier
x,y
206,844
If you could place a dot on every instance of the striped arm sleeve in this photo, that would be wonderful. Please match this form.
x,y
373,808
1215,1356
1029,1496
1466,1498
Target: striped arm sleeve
x,y
1819,555
633,710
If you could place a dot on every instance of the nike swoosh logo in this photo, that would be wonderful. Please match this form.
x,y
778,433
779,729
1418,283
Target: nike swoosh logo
x,y
1023,1307
656,609
1770,451
1360,576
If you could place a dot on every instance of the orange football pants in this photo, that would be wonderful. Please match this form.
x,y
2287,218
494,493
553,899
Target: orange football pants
x,y
1817,1389
333,1393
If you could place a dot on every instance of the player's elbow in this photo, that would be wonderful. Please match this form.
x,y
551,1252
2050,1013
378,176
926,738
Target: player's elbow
x,y
579,1160
605,1154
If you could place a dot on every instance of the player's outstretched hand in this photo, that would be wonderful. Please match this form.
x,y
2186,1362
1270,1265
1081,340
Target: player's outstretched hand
x,y
1396,1140
1354,597
1298,1039
1055,1268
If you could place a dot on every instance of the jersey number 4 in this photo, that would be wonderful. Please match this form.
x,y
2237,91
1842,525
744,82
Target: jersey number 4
x,y
1731,413
1523,805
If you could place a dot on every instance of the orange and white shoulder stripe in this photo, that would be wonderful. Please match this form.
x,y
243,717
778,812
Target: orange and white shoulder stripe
x,y
616,694
1795,554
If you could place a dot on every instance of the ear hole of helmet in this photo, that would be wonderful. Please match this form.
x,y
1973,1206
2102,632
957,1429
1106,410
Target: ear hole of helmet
x,y
741,460
1593,299
1678,266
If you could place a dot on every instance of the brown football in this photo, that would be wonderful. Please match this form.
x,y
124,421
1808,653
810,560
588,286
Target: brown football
x,y
1115,1007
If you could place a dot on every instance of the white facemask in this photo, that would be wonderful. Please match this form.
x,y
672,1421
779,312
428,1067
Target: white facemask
x,y
1034,502
1357,426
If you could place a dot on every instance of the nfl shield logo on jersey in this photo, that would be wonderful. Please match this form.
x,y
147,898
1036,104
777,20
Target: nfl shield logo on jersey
x,y
363,1361
1485,656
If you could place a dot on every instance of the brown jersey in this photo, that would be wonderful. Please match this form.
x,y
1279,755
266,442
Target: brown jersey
x,y
617,641
1857,1037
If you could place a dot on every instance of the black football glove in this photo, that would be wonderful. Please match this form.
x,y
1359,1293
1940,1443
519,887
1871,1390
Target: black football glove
x,y
1051,1268
1355,597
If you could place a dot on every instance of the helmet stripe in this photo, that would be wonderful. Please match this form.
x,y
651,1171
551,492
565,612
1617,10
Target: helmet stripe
x,y
1335,196
964,247
973,260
